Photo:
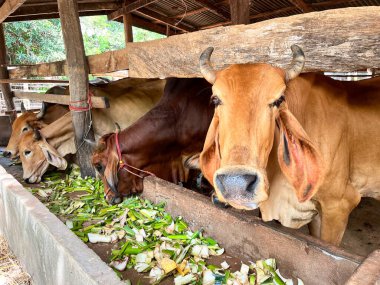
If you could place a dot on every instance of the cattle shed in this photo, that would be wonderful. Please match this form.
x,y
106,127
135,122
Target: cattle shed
x,y
336,36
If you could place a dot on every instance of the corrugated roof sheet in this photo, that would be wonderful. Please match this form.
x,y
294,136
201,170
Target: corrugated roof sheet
x,y
183,10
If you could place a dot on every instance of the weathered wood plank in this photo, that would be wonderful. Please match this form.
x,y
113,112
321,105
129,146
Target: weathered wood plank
x,y
239,11
97,102
8,7
135,5
5,87
33,81
57,68
128,33
78,76
368,272
354,47
100,63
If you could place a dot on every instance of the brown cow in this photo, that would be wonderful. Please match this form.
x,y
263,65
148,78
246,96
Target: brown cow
x,y
314,140
29,120
49,113
129,99
174,128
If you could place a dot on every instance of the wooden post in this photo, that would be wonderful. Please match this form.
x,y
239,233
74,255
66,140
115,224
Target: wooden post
x,y
239,11
78,77
5,87
127,20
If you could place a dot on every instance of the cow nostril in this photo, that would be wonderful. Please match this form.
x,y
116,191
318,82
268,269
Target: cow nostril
x,y
6,154
26,180
230,183
251,182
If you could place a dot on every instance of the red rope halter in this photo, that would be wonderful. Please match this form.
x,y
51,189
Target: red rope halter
x,y
124,165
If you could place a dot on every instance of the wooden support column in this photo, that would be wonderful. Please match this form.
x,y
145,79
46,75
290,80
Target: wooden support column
x,y
5,87
78,77
239,11
127,20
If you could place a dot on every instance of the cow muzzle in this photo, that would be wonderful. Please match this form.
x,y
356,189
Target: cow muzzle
x,y
9,154
240,186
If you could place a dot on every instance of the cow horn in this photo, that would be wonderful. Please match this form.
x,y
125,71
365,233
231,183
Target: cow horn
x,y
23,110
42,112
204,63
118,129
37,135
92,143
297,63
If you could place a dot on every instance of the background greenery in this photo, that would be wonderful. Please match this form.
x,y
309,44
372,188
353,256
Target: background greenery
x,y
32,42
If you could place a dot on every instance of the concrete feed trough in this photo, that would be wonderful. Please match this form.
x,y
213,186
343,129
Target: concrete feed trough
x,y
52,254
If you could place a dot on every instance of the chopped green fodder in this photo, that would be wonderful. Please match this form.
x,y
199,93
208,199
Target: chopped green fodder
x,y
149,239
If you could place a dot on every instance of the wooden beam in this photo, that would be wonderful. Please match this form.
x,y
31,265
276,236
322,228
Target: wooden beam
x,y
166,20
130,8
191,13
239,12
128,33
8,7
58,68
355,47
33,81
79,85
5,87
302,5
214,9
100,63
97,102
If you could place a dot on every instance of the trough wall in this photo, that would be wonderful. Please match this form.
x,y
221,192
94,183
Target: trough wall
x,y
46,248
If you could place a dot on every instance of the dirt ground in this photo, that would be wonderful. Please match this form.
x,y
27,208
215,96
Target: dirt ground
x,y
362,235
11,273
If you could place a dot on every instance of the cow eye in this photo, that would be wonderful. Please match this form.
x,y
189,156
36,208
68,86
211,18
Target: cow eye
x,y
99,167
278,102
215,100
24,129
27,152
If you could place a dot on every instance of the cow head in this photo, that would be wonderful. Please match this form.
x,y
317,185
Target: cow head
x,y
27,121
36,155
117,182
250,104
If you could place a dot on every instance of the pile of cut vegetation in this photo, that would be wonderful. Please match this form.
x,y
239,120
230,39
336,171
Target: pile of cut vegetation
x,y
146,237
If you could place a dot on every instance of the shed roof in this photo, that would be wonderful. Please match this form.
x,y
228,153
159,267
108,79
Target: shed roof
x,y
179,16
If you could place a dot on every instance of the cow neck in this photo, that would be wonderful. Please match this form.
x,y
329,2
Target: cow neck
x,y
126,166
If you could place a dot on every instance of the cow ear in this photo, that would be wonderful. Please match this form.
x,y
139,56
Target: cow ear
x,y
192,162
209,159
299,159
52,156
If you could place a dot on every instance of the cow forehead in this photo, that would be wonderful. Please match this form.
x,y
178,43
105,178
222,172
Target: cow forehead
x,y
247,80
27,140
23,119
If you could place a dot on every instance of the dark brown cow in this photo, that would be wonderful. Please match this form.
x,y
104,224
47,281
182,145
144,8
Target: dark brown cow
x,y
157,142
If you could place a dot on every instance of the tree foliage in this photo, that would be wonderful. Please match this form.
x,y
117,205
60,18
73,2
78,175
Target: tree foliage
x,y
32,42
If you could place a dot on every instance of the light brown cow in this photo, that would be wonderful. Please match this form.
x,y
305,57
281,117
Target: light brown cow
x,y
129,100
29,120
309,143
